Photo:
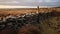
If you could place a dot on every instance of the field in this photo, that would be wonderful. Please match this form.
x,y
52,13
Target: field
x,y
30,21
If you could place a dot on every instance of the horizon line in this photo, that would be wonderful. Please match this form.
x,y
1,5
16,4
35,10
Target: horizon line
x,y
7,6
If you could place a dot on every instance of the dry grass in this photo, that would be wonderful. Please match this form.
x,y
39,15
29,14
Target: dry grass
x,y
29,29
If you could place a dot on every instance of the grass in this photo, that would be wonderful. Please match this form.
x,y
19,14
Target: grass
x,y
50,25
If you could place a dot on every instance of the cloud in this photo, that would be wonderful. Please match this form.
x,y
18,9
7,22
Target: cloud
x,y
30,2
10,2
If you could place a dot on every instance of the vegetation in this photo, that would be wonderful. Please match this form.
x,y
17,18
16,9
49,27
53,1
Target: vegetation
x,y
41,23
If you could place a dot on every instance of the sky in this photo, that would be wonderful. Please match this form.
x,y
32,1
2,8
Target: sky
x,y
30,2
